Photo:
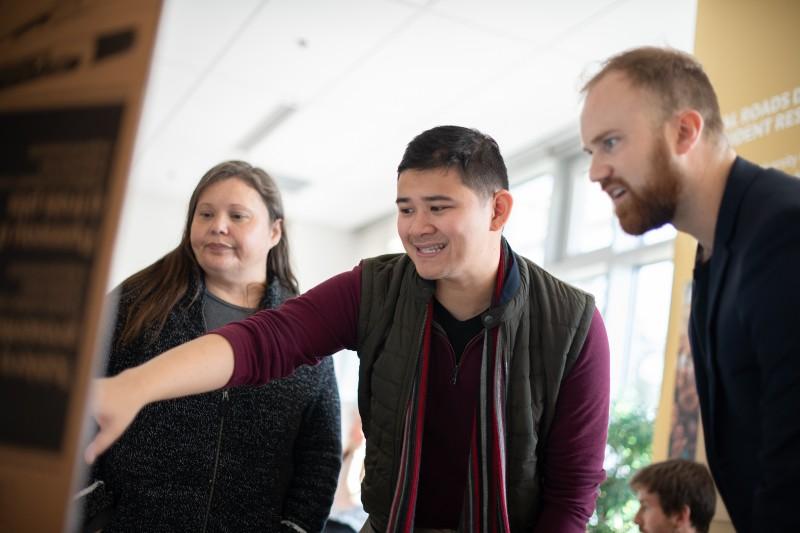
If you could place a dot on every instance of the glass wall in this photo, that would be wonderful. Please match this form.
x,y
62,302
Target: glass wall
x,y
566,224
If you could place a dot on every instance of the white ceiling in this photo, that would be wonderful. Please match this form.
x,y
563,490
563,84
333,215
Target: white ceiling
x,y
364,77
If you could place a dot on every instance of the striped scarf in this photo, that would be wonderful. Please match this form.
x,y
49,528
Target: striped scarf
x,y
485,508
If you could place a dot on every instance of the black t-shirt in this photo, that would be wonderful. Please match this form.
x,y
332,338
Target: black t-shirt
x,y
458,332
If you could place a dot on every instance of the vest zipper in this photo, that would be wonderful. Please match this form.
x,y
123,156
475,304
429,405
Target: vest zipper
x,y
223,412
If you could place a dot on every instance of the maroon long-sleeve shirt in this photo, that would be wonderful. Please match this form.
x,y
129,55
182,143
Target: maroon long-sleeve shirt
x,y
272,343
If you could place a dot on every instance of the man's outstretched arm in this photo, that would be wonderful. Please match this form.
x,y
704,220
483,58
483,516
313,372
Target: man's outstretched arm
x,y
266,346
201,365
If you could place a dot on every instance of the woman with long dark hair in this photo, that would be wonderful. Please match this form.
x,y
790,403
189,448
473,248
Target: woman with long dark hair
x,y
261,458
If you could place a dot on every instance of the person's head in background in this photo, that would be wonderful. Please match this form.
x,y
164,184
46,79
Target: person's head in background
x,y
646,113
234,240
453,201
674,496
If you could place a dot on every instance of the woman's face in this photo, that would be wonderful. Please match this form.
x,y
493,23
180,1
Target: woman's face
x,y
232,233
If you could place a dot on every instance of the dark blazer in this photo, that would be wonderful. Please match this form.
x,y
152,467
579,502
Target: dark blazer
x,y
745,336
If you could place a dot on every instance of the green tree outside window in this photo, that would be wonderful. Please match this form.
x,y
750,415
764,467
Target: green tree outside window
x,y
630,447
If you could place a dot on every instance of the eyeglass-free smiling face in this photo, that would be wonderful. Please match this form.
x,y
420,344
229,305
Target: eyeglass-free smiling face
x,y
448,230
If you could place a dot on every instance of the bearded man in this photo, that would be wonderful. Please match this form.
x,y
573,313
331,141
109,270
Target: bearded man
x,y
652,126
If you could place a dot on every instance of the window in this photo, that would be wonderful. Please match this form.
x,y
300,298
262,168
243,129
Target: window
x,y
590,217
565,223
527,228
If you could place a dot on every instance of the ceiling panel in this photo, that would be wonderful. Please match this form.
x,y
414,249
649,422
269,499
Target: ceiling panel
x,y
193,32
536,96
628,24
364,77
301,48
396,89
537,22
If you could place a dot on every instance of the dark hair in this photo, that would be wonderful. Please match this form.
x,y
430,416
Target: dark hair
x,y
676,78
163,284
679,482
475,155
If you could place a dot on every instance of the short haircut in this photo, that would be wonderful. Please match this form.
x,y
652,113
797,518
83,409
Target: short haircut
x,y
676,78
679,482
473,154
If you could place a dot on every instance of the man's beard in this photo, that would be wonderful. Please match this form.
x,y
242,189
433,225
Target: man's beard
x,y
654,204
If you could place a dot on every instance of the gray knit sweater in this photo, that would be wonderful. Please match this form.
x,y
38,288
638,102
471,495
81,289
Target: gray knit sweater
x,y
242,459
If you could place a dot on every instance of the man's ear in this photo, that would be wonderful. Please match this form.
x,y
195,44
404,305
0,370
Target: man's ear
x,y
682,520
502,202
690,126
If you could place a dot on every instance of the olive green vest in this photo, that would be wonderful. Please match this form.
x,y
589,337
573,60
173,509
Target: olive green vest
x,y
545,324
